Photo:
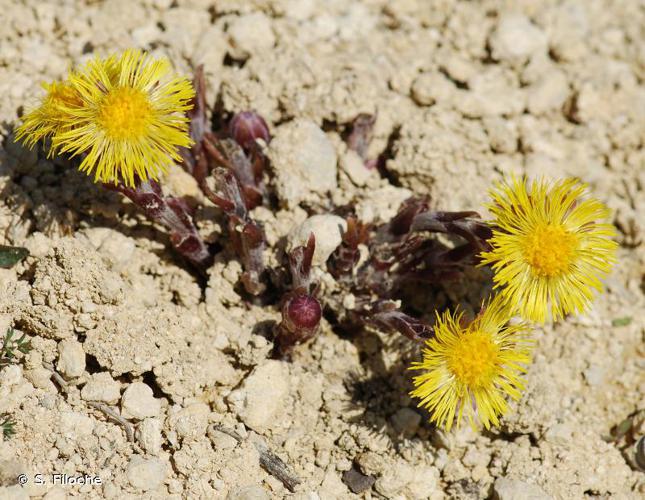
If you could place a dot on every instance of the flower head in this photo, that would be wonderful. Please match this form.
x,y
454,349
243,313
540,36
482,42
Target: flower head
x,y
549,249
49,118
125,117
470,369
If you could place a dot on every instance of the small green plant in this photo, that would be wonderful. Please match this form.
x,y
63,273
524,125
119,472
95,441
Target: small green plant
x,y
11,345
8,426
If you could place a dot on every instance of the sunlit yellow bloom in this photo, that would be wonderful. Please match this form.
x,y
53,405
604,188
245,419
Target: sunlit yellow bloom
x,y
126,119
50,117
549,246
469,370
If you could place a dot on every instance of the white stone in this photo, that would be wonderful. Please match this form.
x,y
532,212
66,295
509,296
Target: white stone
x,y
568,25
250,34
138,402
190,422
146,34
502,134
15,492
431,88
515,39
181,27
10,469
300,9
595,375
221,440
354,166
146,474
328,230
559,434
10,375
118,247
394,479
210,49
252,492
41,379
304,162
381,204
71,358
262,395
424,482
56,493
513,489
547,94
74,424
492,93
332,486
149,435
102,387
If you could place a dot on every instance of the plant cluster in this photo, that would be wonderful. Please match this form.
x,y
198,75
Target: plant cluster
x,y
127,118
8,426
11,345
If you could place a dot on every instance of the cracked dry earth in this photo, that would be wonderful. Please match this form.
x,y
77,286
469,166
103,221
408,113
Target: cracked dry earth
x,y
464,92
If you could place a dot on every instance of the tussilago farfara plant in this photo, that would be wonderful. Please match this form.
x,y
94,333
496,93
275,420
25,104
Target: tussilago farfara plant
x,y
548,250
127,118
124,119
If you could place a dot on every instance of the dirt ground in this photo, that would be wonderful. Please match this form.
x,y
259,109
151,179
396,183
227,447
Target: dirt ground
x,y
464,92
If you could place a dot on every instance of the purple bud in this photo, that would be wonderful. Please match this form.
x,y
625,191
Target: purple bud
x,y
301,315
246,127
304,312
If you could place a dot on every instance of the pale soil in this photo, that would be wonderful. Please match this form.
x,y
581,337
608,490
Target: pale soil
x,y
464,92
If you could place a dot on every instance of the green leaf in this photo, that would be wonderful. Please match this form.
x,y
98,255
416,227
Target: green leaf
x,y
10,256
7,424
621,321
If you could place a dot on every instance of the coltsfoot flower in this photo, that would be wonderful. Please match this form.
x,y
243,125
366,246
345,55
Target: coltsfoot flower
x,y
549,246
124,115
470,370
50,117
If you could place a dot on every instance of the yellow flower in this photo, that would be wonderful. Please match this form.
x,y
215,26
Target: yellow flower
x,y
49,118
470,369
126,120
548,249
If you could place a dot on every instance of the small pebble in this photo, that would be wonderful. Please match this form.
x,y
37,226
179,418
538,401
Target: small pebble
x,y
102,387
250,34
515,39
146,474
262,395
253,492
71,358
149,435
138,402
303,161
190,422
513,489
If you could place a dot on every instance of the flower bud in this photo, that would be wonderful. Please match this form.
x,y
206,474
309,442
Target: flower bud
x,y
246,127
301,314
304,312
